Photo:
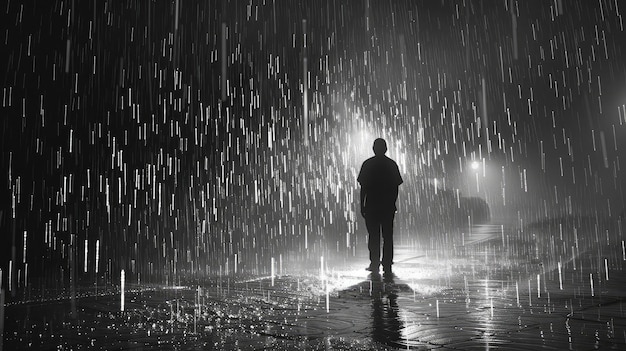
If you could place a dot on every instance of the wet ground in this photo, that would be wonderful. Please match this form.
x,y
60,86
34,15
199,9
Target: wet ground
x,y
485,293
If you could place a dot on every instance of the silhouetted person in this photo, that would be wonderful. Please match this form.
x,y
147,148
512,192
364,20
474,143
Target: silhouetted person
x,y
379,178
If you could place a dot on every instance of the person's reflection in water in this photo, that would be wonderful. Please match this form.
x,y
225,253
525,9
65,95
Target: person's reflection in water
x,y
386,323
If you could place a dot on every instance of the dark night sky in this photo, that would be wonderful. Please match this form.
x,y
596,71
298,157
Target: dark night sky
x,y
129,96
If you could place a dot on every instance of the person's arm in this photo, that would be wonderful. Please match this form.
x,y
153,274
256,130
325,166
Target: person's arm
x,y
399,181
363,199
394,192
362,181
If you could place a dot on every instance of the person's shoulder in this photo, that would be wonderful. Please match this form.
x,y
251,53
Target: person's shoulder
x,y
366,166
391,161
369,160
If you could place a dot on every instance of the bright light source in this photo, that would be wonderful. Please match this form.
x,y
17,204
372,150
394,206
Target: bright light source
x,y
475,165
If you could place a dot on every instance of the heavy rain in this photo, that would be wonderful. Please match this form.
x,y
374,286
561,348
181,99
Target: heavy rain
x,y
183,174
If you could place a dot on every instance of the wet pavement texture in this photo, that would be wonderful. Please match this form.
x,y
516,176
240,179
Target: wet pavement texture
x,y
483,294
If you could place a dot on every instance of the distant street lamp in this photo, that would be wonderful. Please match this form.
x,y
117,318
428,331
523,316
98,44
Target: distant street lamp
x,y
475,165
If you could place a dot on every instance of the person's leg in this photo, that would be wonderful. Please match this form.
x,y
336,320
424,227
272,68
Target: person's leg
x,y
373,243
387,233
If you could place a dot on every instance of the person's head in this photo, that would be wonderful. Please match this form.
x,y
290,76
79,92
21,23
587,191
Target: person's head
x,y
380,147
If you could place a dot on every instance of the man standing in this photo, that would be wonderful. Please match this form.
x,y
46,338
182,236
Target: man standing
x,y
379,178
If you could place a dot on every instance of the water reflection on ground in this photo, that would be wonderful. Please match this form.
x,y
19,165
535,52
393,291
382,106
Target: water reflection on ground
x,y
386,324
486,293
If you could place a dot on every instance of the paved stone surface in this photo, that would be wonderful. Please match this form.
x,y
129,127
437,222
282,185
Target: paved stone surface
x,y
491,291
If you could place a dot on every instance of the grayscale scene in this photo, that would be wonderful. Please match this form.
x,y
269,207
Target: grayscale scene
x,y
312,175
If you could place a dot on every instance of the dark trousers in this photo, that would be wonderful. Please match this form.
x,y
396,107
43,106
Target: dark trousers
x,y
380,225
